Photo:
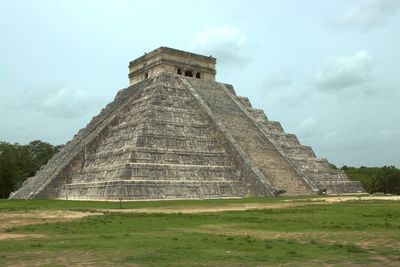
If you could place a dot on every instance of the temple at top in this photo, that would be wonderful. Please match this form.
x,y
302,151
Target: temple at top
x,y
165,59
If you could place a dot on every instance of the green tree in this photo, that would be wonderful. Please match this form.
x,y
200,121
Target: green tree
x,y
8,168
388,181
376,179
18,162
41,152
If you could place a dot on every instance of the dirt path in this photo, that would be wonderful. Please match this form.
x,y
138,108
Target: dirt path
x,y
203,209
249,206
15,219
5,236
361,197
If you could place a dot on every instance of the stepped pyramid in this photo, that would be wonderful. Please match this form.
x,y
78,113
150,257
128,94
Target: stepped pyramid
x,y
175,133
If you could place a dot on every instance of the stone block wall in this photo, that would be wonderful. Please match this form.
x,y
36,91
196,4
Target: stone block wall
x,y
318,172
171,137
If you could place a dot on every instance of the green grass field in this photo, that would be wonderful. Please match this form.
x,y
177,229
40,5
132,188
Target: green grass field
x,y
307,233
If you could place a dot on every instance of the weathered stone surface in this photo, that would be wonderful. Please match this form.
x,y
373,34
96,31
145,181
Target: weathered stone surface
x,y
169,136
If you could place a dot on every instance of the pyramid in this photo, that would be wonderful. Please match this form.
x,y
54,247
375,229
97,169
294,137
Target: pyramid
x,y
176,133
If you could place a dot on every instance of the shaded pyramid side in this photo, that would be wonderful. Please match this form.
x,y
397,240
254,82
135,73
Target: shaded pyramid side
x,y
317,171
263,154
286,163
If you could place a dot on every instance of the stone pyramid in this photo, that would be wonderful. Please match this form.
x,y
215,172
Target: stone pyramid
x,y
175,133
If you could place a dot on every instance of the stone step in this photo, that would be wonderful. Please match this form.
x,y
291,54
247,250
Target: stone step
x,y
158,141
189,157
312,163
156,122
160,109
258,114
169,181
162,88
153,171
115,146
166,142
250,137
325,176
272,127
341,187
180,170
140,133
285,140
97,178
201,134
174,91
318,169
183,157
298,152
169,113
244,101
177,129
150,189
129,150
156,100
216,153
160,128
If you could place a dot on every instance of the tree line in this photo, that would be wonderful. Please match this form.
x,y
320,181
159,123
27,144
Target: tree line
x,y
384,179
18,162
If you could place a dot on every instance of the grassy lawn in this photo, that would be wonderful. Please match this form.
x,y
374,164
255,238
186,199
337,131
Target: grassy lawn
x,y
350,233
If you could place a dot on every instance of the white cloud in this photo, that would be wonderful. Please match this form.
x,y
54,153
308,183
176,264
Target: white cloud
x,y
353,146
308,127
296,98
228,44
369,14
330,135
59,102
340,73
278,78
360,139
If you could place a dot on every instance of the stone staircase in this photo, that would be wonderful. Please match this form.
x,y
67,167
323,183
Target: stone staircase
x,y
248,135
176,137
317,171
159,146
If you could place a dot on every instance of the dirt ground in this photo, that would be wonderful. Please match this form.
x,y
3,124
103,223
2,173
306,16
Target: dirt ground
x,y
248,206
334,199
15,219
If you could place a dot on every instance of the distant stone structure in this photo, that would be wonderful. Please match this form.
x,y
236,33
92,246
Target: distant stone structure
x,y
175,133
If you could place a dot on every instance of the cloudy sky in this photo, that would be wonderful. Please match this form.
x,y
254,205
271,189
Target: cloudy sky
x,y
327,70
